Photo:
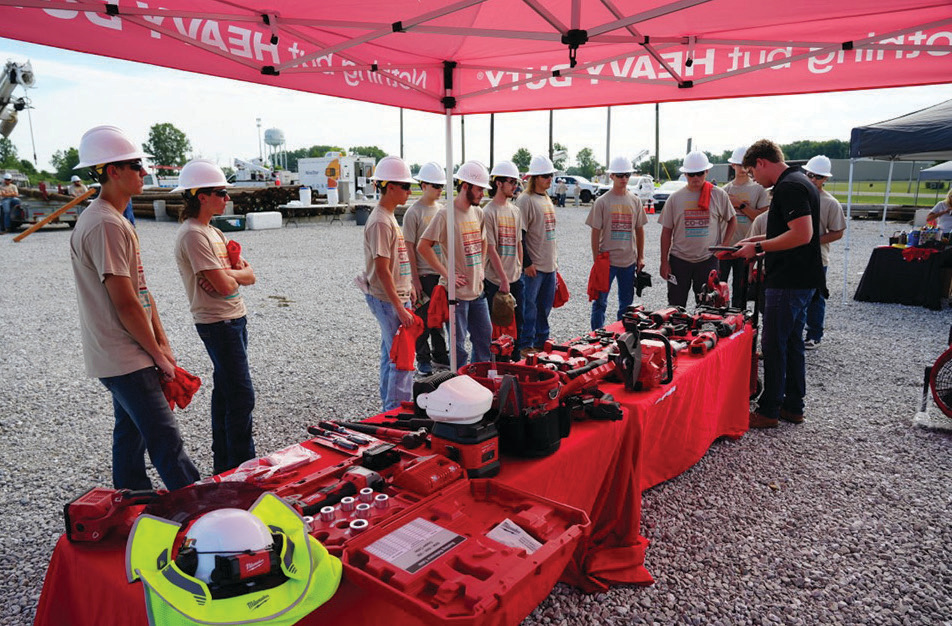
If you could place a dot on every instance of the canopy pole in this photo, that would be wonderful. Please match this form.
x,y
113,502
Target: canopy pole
x,y
846,251
892,162
450,260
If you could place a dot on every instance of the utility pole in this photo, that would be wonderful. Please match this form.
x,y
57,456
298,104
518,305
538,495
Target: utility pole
x,y
608,139
689,145
462,135
550,134
657,143
492,139
260,148
401,132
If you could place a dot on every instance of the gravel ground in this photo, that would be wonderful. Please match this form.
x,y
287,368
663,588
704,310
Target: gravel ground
x,y
841,520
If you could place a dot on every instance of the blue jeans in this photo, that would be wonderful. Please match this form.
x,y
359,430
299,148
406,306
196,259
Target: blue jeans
x,y
6,209
816,313
626,293
233,396
472,317
395,386
539,293
144,421
785,383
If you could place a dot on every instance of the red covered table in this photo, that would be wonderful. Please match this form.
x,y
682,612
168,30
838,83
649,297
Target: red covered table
x,y
601,468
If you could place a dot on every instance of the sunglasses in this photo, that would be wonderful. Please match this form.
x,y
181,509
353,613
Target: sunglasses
x,y
434,185
625,175
135,166
545,175
694,174
813,176
221,193
404,186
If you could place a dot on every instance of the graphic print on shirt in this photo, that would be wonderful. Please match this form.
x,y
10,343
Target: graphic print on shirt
x,y
144,298
696,222
549,221
472,243
402,256
426,218
506,235
621,220
220,248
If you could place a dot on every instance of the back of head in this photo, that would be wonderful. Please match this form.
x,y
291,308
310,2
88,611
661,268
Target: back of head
x,y
762,149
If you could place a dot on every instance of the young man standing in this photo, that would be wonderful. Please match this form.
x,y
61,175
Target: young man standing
x,y
218,311
832,226
540,255
749,200
472,310
618,220
76,187
692,221
794,271
504,237
9,200
387,268
432,178
124,343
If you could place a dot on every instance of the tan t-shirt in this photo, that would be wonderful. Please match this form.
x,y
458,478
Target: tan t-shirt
x,y
538,220
104,242
199,248
755,196
9,190
415,221
503,226
694,230
470,238
77,190
384,238
831,218
759,225
617,216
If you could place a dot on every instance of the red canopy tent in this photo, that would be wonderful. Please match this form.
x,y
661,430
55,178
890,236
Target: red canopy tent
x,y
484,56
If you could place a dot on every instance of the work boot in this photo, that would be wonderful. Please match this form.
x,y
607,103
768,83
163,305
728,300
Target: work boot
x,y
526,352
758,420
789,416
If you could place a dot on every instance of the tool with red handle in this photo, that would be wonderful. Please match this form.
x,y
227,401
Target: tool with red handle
x,y
408,440
100,512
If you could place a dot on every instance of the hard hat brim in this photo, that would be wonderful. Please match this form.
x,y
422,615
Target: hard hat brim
x,y
138,154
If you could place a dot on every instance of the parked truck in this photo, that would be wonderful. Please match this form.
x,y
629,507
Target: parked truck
x,y
347,173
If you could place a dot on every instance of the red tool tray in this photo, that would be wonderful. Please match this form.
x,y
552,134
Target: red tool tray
x,y
437,560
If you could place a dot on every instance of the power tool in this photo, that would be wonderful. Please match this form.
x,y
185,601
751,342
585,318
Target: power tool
x,y
100,512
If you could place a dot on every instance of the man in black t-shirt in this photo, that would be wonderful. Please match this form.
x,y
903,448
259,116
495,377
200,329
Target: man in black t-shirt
x,y
794,271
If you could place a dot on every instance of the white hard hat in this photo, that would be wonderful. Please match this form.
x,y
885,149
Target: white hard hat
x,y
695,162
819,165
7,177
505,168
474,173
75,179
199,174
392,169
620,165
225,532
106,144
541,165
433,173
738,157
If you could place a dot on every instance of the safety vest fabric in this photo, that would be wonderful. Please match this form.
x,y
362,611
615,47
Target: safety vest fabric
x,y
174,598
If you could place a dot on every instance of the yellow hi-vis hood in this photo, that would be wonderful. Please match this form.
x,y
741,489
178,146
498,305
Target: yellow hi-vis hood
x,y
174,598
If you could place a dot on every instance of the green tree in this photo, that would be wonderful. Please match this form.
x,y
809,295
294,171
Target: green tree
x,y
26,166
587,165
559,160
372,151
167,144
8,153
522,158
64,161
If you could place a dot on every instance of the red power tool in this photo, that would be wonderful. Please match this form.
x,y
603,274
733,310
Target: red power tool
x,y
100,512
501,348
703,342
715,293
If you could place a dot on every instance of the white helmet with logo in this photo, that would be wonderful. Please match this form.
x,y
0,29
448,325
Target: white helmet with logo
x,y
392,169
505,168
620,165
695,162
474,173
819,165
225,532
541,165
737,158
199,174
106,144
433,173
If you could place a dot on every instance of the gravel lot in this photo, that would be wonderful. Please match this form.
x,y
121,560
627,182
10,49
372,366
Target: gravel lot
x,y
841,520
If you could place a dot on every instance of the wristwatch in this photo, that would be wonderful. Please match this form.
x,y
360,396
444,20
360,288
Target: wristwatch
x,y
758,248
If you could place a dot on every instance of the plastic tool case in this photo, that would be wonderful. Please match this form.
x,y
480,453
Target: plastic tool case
x,y
453,558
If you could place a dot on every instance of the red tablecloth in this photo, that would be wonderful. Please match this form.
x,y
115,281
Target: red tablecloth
x,y
601,468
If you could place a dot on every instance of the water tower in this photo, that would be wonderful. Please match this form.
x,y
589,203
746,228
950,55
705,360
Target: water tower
x,y
277,153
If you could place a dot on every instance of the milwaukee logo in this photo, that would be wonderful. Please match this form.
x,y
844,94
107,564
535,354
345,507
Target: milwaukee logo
x,y
253,566
254,604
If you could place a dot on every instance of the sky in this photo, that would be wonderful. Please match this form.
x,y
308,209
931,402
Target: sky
x,y
76,91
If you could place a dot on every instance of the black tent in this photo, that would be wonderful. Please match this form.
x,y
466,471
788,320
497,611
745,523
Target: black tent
x,y
924,135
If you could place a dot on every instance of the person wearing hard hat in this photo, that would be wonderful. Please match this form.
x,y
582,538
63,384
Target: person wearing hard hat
x,y
832,226
692,221
124,343
793,273
561,190
431,344
472,310
76,187
9,200
749,200
212,280
540,255
504,237
618,220
388,276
